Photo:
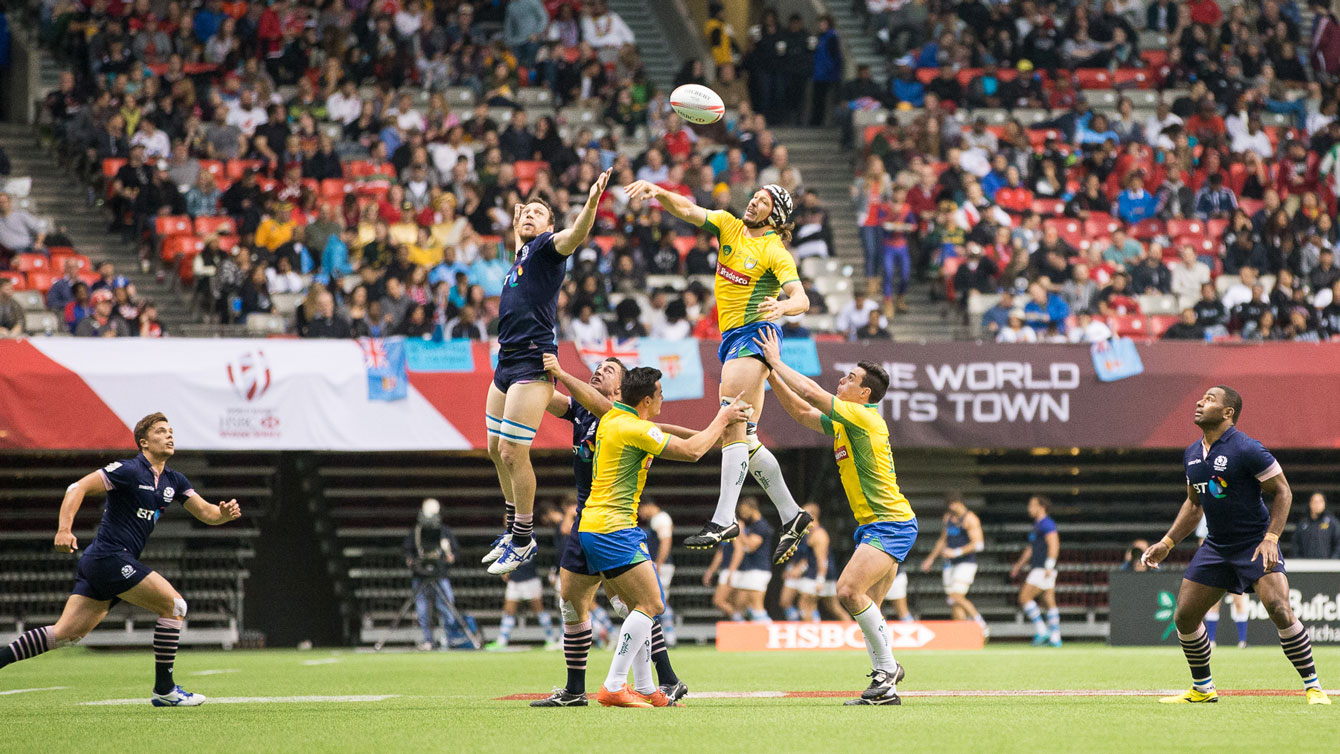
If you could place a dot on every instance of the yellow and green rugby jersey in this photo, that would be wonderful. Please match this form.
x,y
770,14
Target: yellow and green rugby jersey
x,y
865,462
748,270
625,445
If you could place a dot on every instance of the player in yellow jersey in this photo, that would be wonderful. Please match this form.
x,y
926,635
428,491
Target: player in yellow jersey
x,y
753,268
614,546
887,527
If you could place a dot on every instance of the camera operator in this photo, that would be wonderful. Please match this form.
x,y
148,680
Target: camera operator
x,y
430,550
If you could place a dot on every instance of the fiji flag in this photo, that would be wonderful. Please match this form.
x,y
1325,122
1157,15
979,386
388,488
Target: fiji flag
x,y
680,363
386,363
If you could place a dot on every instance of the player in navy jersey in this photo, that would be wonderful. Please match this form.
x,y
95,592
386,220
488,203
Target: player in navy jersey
x,y
723,596
751,563
813,576
138,490
660,527
960,541
1044,546
1240,489
577,581
521,389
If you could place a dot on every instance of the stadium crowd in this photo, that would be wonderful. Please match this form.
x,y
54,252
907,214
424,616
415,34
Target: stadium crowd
x,y
1075,214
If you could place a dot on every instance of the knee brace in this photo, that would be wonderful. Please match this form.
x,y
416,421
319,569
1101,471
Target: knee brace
x,y
751,435
178,607
567,610
618,607
61,643
513,432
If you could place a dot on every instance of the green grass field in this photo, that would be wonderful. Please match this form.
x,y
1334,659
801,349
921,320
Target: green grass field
x,y
450,702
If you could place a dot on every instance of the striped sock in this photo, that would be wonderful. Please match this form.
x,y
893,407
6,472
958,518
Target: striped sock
x,y
576,646
509,517
30,643
660,656
505,627
522,528
1298,648
1196,647
1032,612
167,633
1054,623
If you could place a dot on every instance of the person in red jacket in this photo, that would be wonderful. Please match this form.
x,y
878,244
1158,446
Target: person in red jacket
x,y
1297,173
1207,12
1324,51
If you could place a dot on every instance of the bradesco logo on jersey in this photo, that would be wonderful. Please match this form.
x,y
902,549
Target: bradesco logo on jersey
x,y
786,636
732,276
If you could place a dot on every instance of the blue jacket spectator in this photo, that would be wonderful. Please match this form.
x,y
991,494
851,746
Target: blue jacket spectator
x,y
1045,309
335,258
1135,204
488,271
1215,199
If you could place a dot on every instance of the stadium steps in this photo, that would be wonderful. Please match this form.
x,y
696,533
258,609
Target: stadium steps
x,y
57,195
652,30
813,152
859,46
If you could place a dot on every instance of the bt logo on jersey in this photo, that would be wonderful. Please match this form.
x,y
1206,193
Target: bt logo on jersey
x,y
148,514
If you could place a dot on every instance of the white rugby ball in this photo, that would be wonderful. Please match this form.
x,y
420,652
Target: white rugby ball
x,y
697,104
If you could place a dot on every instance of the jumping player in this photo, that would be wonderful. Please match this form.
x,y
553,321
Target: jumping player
x,y
614,546
521,389
960,541
577,581
138,490
753,266
887,527
1044,546
1228,477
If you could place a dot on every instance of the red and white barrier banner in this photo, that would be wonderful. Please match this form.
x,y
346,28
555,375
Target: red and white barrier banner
x,y
63,393
829,635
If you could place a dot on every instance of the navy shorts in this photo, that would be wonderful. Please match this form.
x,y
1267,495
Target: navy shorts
x,y
1228,567
573,557
520,366
102,576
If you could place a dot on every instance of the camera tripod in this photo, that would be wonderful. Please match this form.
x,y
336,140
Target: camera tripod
x,y
429,587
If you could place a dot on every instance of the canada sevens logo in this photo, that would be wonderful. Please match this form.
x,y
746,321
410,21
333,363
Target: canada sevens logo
x,y
249,374
1218,486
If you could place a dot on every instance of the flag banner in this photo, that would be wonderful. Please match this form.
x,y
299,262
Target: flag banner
x,y
681,366
439,355
388,379
1116,359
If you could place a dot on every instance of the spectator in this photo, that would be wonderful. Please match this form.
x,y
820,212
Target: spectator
x,y
11,313
20,232
524,25
827,67
977,273
856,313
1089,329
102,321
1185,328
489,271
202,199
720,36
585,327
1134,559
873,329
870,194
1317,534
62,290
1135,204
813,235
605,30
327,323
1188,275
677,325
1045,309
1211,315
1015,331
1214,200
256,293
147,324
395,304
998,316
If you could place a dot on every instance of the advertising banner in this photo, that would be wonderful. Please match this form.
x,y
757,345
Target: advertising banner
x,y
829,635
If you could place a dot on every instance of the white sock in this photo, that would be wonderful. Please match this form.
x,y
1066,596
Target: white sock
x,y
505,629
642,677
763,465
1032,612
876,634
635,632
547,623
734,468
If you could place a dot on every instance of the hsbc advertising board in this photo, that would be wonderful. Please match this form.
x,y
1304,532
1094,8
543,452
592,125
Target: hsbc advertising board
x,y
831,635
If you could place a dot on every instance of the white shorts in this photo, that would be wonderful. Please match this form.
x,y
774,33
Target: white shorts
x,y
523,591
1041,578
804,586
958,578
752,581
828,589
723,578
898,591
667,574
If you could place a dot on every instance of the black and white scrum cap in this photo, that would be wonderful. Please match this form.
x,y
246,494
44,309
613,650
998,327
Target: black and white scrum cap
x,y
781,205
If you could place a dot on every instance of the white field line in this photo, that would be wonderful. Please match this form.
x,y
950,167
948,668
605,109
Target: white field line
x,y
24,691
258,700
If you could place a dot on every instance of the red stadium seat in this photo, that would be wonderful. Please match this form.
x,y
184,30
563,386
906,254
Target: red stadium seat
x,y
1014,199
266,184
205,226
968,75
1155,58
41,280
1046,207
604,243
1069,229
228,243
1237,177
19,279
234,168
1178,227
1159,324
214,168
58,260
169,225
526,170
1037,137
1093,78
179,245
1215,228
1147,229
111,165
334,189
683,245
31,262
1132,78
1128,325
1101,224
1251,206
927,75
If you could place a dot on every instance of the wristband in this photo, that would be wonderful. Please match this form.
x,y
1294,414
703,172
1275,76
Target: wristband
x,y
1272,537
1168,542
1050,565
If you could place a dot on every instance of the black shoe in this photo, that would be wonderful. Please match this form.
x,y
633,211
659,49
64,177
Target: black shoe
x,y
712,535
883,683
790,537
675,691
561,698
890,698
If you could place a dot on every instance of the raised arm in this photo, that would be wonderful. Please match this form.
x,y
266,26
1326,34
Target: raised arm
x,y
805,388
590,399
674,430
567,240
693,448
1187,517
805,415
796,302
213,514
69,506
679,206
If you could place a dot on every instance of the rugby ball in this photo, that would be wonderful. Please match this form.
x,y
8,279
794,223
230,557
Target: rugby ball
x,y
697,104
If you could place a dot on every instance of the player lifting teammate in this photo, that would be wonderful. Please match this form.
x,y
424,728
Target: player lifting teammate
x,y
521,389
887,527
1228,477
138,490
578,582
753,265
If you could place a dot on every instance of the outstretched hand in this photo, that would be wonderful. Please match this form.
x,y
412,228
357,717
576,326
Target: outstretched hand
x,y
771,308
767,342
231,510
645,190
598,187
736,411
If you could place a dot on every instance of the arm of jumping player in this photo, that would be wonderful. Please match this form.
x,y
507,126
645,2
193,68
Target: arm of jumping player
x,y
693,448
210,513
69,506
803,387
590,399
1277,490
678,206
805,415
1187,517
796,302
936,549
567,240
